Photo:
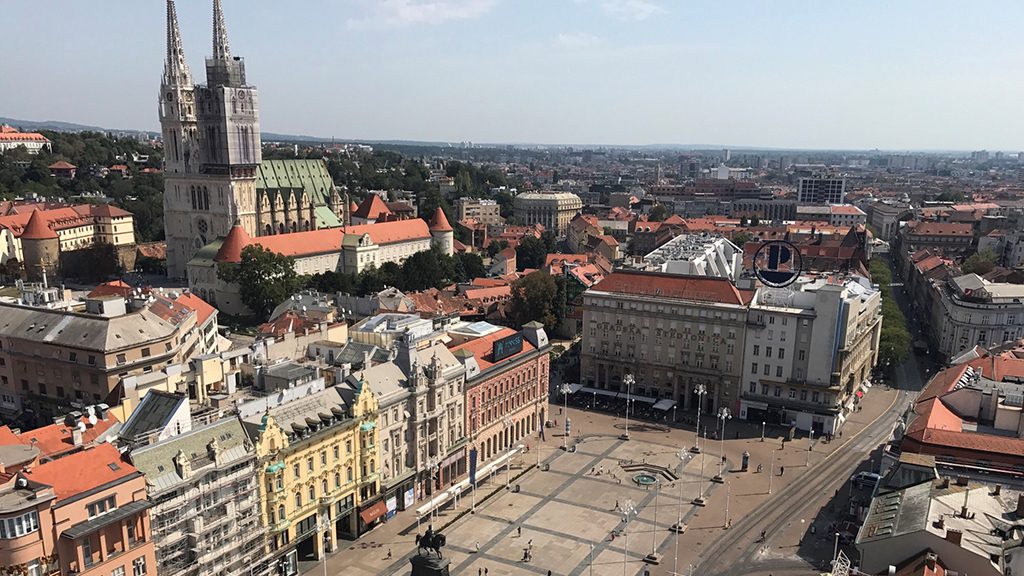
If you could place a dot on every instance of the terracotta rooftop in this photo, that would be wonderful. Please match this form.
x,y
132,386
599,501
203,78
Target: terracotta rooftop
x,y
699,288
56,439
372,208
483,347
82,471
38,228
231,249
942,229
112,288
61,165
439,222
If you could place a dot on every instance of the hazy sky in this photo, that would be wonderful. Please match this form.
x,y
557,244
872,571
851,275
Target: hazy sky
x,y
812,74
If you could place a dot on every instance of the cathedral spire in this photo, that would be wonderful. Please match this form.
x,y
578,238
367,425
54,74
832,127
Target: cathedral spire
x,y
176,72
221,51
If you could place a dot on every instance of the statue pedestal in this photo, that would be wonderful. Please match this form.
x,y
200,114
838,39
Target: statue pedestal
x,y
429,566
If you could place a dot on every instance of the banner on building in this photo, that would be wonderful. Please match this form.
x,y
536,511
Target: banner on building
x,y
410,498
472,466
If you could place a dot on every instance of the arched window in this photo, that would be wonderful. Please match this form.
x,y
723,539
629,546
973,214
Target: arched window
x,y
193,189
280,512
323,487
298,499
270,230
337,480
312,492
280,228
348,474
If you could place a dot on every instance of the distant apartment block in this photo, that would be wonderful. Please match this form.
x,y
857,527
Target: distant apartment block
x,y
481,210
821,190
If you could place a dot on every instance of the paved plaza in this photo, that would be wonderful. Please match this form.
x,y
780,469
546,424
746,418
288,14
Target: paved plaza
x,y
572,513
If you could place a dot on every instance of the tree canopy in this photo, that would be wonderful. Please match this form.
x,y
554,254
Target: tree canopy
x,y
980,263
531,253
264,278
658,213
895,341
534,298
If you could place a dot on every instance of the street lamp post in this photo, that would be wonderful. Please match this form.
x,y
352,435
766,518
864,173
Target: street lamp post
x,y
723,415
507,422
591,563
654,557
771,471
762,430
728,494
628,380
628,509
565,436
835,550
700,391
679,527
699,500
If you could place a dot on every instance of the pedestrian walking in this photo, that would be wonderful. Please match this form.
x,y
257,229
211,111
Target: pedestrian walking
x,y
477,546
479,572
389,553
530,544
519,531
485,572
782,470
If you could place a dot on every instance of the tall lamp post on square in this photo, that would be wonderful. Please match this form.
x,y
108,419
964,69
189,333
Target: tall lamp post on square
x,y
724,415
628,380
700,391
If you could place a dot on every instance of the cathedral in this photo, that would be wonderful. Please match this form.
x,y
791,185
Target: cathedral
x,y
214,176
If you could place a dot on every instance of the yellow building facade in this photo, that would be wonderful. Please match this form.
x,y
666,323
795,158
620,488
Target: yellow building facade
x,y
318,472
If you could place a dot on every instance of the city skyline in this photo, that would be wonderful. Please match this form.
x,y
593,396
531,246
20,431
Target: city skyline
x,y
589,72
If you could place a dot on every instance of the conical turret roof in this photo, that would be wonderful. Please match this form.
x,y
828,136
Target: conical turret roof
x,y
439,222
231,249
38,228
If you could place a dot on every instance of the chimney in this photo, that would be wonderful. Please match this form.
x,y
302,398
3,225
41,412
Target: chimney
x,y
954,536
1020,504
930,559
961,480
996,489
892,570
76,436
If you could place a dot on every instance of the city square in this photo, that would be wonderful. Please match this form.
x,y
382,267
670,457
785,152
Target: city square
x,y
578,499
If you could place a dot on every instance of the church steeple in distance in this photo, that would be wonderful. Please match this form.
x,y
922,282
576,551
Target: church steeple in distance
x,y
221,50
176,71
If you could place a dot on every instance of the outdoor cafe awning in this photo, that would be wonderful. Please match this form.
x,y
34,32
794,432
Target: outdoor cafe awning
x,y
636,398
574,388
373,512
664,404
599,391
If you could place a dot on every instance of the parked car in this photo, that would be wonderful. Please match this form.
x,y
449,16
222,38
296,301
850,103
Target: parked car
x,y
865,479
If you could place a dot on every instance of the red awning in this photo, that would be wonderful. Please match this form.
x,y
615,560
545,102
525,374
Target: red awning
x,y
374,512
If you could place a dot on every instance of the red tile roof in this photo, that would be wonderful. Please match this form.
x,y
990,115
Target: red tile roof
x,y
326,240
929,228
38,228
231,249
56,439
62,165
203,309
83,471
483,347
372,208
112,288
439,222
59,217
699,288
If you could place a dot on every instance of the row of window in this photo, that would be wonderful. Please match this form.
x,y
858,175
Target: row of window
x,y
18,526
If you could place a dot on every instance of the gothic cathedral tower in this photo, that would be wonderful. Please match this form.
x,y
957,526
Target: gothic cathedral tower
x,y
211,146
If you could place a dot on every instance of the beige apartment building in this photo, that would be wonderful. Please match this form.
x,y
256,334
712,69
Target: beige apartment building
x,y
672,333
52,360
810,348
482,210
553,210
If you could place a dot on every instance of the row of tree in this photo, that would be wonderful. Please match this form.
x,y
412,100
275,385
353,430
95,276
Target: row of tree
x,y
895,342
266,279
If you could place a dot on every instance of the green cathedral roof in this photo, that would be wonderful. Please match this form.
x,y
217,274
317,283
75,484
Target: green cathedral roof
x,y
310,175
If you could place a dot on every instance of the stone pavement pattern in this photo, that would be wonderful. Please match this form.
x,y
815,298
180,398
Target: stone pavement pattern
x,y
566,509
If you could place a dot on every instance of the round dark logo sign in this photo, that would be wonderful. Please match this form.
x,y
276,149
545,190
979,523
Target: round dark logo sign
x,y
777,263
